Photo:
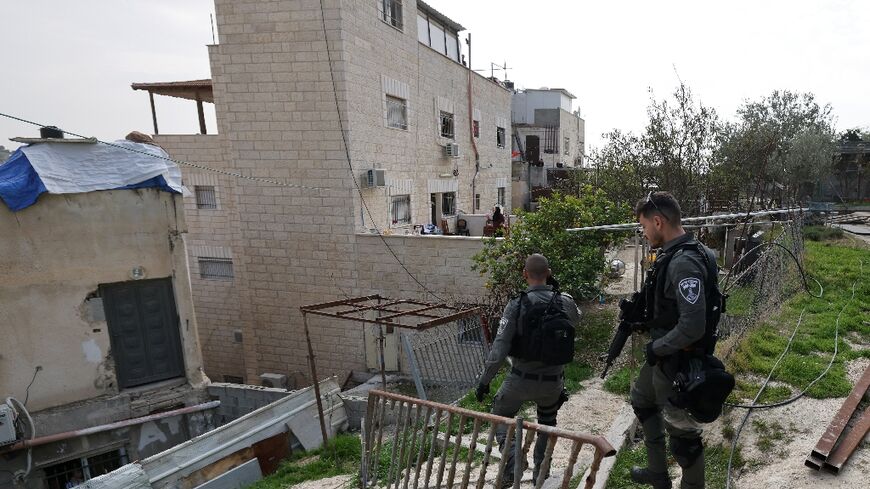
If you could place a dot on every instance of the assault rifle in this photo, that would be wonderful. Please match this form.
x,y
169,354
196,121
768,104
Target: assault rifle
x,y
631,319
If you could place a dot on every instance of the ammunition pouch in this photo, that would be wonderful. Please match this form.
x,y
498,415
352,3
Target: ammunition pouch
x,y
701,384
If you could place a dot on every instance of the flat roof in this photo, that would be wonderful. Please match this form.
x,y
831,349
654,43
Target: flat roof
x,y
565,92
189,90
421,5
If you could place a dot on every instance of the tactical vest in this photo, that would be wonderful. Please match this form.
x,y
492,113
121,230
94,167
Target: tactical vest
x,y
544,332
668,314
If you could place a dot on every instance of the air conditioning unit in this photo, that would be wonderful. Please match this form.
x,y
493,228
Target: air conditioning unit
x,y
374,178
278,381
7,425
451,150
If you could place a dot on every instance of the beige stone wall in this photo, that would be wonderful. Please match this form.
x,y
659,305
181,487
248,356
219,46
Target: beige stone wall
x,y
213,234
56,253
296,244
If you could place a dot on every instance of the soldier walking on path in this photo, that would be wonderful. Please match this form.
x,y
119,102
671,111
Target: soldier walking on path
x,y
536,334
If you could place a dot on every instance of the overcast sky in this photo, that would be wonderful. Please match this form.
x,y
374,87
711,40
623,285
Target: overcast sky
x,y
71,63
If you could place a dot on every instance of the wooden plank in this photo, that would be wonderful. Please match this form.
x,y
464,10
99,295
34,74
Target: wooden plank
x,y
216,469
271,451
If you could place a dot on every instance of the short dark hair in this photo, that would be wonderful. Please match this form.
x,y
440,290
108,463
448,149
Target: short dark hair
x,y
537,266
662,203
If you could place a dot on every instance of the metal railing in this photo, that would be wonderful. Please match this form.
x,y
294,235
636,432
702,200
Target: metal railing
x,y
408,441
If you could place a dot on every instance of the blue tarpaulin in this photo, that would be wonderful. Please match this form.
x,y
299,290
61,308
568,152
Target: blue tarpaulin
x,y
21,183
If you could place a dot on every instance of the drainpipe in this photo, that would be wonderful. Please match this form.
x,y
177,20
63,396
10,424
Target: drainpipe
x,y
471,132
43,440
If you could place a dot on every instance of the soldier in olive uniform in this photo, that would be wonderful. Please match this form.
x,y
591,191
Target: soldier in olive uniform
x,y
528,380
677,324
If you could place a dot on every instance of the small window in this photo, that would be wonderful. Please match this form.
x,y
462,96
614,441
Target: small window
x,y
446,124
452,46
76,471
397,113
476,201
448,203
205,197
233,379
475,127
392,12
216,268
499,137
400,210
436,34
423,29
500,199
567,145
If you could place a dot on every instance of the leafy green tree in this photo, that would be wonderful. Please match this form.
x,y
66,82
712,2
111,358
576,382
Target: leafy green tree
x,y
674,153
779,148
576,258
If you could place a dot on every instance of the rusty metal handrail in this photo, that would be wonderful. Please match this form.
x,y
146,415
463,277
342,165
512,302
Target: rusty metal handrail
x,y
411,425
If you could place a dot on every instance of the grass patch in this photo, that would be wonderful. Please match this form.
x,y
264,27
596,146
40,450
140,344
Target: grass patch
x,y
836,266
822,233
745,391
619,382
770,435
341,456
715,458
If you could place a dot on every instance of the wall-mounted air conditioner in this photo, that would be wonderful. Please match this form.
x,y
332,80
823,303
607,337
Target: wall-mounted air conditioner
x,y
451,150
374,178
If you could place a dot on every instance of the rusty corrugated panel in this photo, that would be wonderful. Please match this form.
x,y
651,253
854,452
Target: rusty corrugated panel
x,y
271,451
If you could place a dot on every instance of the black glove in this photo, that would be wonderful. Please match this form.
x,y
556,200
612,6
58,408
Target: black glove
x,y
651,357
481,391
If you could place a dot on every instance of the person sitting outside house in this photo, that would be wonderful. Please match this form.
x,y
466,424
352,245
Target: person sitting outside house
x,y
498,222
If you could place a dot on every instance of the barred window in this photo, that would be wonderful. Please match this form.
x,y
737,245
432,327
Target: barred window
x,y
475,127
205,197
216,269
448,203
500,199
391,11
446,124
499,137
400,211
78,470
397,113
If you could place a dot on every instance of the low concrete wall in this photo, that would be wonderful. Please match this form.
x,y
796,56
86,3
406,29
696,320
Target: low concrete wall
x,y
238,400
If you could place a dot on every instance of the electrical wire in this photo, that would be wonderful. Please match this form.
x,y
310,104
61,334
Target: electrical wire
x,y
757,396
350,163
27,391
177,161
725,288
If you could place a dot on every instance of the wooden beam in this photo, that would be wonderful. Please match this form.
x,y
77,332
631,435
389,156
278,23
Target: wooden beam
x,y
201,114
153,113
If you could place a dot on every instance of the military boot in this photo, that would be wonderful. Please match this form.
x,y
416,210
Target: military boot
x,y
658,480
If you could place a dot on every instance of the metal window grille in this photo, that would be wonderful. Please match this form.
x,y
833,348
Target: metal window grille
x,y
446,125
397,113
476,201
401,209
205,197
78,470
500,199
392,12
476,128
499,137
448,203
216,268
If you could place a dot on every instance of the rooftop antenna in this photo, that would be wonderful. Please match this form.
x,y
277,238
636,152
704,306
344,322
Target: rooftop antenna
x,y
493,67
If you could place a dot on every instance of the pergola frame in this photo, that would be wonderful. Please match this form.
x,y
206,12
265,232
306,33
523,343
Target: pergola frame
x,y
394,315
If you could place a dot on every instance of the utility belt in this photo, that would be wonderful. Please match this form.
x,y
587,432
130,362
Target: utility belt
x,y
540,377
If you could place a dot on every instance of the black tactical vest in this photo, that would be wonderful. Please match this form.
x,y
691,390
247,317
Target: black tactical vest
x,y
663,312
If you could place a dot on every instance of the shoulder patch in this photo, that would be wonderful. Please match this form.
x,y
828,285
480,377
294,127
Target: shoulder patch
x,y
690,289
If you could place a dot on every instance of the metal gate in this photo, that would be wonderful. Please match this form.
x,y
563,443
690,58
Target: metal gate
x,y
446,361
456,446
143,330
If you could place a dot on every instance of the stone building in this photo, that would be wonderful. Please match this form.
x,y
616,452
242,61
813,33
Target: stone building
x,y
295,83
98,319
549,138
